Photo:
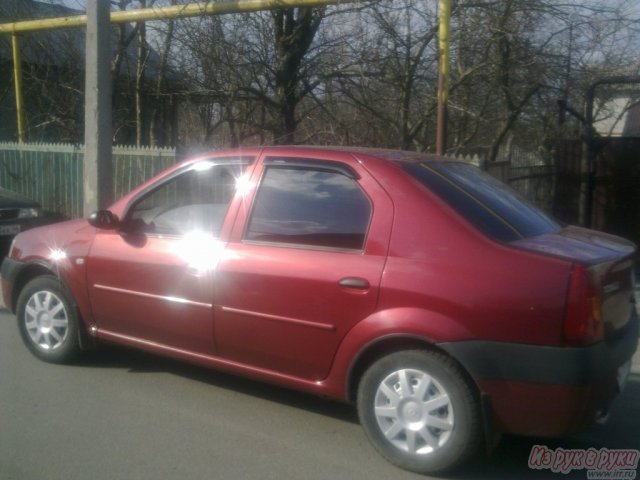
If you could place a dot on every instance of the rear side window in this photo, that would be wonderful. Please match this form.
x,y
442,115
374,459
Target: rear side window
x,y
487,203
310,206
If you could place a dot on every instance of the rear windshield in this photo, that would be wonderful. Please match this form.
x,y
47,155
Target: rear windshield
x,y
490,205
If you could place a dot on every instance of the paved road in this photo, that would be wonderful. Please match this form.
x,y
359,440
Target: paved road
x,y
128,415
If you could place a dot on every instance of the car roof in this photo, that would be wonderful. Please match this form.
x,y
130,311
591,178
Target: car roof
x,y
396,156
11,199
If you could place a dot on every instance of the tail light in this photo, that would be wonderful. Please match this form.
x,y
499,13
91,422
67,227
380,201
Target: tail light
x,y
583,324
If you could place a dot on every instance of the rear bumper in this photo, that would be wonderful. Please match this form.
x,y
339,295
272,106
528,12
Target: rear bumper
x,y
547,391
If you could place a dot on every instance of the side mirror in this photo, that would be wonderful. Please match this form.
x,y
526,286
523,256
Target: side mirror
x,y
104,220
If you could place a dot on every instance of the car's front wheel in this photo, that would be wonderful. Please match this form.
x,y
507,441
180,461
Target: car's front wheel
x,y
419,411
48,321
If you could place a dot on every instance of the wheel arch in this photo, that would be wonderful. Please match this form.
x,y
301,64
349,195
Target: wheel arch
x,y
389,344
33,270
26,274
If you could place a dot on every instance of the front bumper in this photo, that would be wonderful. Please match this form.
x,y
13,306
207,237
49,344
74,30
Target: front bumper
x,y
9,272
548,391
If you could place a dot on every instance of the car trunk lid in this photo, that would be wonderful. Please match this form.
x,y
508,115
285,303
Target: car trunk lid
x,y
608,262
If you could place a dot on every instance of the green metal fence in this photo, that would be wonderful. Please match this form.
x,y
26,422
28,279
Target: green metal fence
x,y
52,174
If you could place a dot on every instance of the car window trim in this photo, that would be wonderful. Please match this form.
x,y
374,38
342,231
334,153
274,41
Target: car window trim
x,y
304,246
315,164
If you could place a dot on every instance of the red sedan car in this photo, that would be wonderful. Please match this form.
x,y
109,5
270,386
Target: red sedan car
x,y
448,309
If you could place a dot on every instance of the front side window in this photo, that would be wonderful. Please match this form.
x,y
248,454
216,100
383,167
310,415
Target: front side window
x,y
311,206
194,201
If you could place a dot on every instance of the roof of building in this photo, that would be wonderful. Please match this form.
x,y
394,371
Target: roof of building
x,y
61,48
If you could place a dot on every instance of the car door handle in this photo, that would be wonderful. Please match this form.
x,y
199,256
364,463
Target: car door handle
x,y
354,282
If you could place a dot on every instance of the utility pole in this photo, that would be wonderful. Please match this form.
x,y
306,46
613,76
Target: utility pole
x,y
98,177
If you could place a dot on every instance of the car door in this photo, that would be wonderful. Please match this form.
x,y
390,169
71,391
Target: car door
x,y
304,265
152,280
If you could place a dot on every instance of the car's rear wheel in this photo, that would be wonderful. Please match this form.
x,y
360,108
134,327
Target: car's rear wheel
x,y
419,411
48,321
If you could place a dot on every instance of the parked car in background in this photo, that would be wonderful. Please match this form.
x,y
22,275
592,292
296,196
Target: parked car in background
x,y
17,213
445,307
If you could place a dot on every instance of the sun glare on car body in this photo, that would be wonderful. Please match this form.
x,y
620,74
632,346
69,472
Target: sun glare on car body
x,y
243,185
200,251
57,255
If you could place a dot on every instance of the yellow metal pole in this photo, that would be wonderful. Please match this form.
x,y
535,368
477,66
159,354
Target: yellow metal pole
x,y
165,12
443,75
17,80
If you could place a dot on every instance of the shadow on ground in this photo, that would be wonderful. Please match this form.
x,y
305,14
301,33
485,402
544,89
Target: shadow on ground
x,y
508,460
139,362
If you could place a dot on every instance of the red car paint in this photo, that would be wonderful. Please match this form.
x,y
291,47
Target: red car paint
x,y
313,317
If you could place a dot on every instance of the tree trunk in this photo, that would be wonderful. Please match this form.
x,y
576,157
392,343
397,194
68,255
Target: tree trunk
x,y
295,29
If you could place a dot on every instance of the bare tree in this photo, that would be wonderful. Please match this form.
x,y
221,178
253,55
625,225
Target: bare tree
x,y
365,74
391,73
294,30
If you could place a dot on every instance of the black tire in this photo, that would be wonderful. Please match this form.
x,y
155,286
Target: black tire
x,y
428,431
48,321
